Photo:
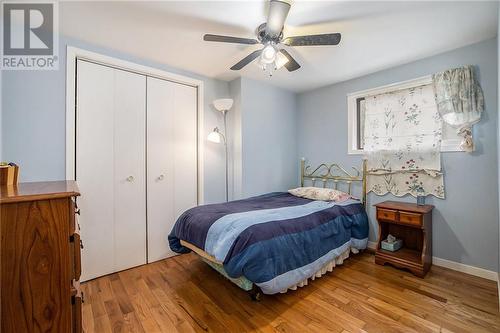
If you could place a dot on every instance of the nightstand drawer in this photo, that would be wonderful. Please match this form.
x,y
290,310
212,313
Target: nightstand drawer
x,y
387,214
410,218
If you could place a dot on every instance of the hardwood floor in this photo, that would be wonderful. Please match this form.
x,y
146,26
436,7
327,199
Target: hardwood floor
x,y
183,294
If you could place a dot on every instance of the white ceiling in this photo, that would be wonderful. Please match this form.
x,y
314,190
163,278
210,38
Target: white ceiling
x,y
375,35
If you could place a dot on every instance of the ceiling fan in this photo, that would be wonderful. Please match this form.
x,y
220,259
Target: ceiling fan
x,y
270,34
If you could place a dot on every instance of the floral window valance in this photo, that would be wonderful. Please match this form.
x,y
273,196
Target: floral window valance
x,y
402,135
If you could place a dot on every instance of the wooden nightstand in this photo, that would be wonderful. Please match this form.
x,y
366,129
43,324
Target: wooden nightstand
x,y
412,224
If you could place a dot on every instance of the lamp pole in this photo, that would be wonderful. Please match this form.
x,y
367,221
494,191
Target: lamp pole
x,y
223,105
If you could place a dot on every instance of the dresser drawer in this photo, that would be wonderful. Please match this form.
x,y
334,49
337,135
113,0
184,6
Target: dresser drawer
x,y
387,214
410,218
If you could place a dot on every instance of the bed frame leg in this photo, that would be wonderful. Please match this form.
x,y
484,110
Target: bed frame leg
x,y
255,293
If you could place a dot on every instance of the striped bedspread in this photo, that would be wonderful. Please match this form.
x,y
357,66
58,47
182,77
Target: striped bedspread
x,y
274,240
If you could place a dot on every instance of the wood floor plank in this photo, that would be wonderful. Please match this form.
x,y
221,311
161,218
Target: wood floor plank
x,y
88,318
123,299
144,314
163,320
102,324
115,316
177,315
183,294
132,323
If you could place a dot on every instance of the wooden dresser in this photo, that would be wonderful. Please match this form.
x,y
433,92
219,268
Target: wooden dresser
x,y
40,258
412,224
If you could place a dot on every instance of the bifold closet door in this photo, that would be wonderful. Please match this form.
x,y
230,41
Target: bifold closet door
x,y
111,168
171,159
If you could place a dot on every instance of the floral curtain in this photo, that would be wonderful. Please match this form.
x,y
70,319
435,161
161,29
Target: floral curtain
x,y
402,143
459,100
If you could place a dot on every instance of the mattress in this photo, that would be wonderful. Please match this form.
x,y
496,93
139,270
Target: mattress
x,y
276,240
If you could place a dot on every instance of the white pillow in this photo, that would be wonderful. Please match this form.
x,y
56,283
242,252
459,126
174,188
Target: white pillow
x,y
319,193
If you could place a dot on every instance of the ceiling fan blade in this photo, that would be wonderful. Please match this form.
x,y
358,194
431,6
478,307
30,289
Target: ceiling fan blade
x,y
229,39
245,61
311,40
278,11
291,65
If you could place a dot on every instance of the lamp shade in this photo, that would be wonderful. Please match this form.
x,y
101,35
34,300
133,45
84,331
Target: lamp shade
x,y
214,136
223,104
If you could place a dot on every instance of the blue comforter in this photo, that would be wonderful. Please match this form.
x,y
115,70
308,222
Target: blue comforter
x,y
274,240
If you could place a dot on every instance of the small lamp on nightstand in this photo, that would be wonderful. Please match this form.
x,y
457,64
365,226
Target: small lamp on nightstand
x,y
420,196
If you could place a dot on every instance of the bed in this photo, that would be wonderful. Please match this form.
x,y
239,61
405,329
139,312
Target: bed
x,y
277,242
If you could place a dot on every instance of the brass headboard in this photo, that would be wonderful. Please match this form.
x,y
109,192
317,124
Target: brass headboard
x,y
333,173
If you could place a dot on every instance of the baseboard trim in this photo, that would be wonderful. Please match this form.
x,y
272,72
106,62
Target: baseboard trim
x,y
472,270
456,266
498,288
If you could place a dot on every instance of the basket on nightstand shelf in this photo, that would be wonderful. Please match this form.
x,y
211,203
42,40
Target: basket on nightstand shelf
x,y
391,246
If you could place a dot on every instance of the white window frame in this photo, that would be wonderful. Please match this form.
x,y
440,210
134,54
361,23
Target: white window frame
x,y
449,144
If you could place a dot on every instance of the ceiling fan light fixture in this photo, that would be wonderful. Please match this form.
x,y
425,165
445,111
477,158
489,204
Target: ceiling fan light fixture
x,y
268,55
281,60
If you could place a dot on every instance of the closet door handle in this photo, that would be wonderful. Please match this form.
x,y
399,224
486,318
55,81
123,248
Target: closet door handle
x,y
130,179
161,177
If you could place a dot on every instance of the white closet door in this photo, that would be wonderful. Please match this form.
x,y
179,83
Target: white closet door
x,y
94,167
110,168
130,170
171,160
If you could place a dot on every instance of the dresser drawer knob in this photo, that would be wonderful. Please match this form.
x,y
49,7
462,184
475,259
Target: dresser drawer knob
x,y
77,212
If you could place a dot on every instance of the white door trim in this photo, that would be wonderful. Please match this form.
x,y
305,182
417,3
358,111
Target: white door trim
x,y
73,53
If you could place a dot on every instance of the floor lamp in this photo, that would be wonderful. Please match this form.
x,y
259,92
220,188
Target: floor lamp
x,y
222,105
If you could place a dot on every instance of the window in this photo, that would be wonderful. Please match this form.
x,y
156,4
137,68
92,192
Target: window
x,y
356,108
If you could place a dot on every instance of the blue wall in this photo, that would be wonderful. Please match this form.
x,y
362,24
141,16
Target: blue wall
x,y
268,138
235,141
498,143
465,224
262,138
34,120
